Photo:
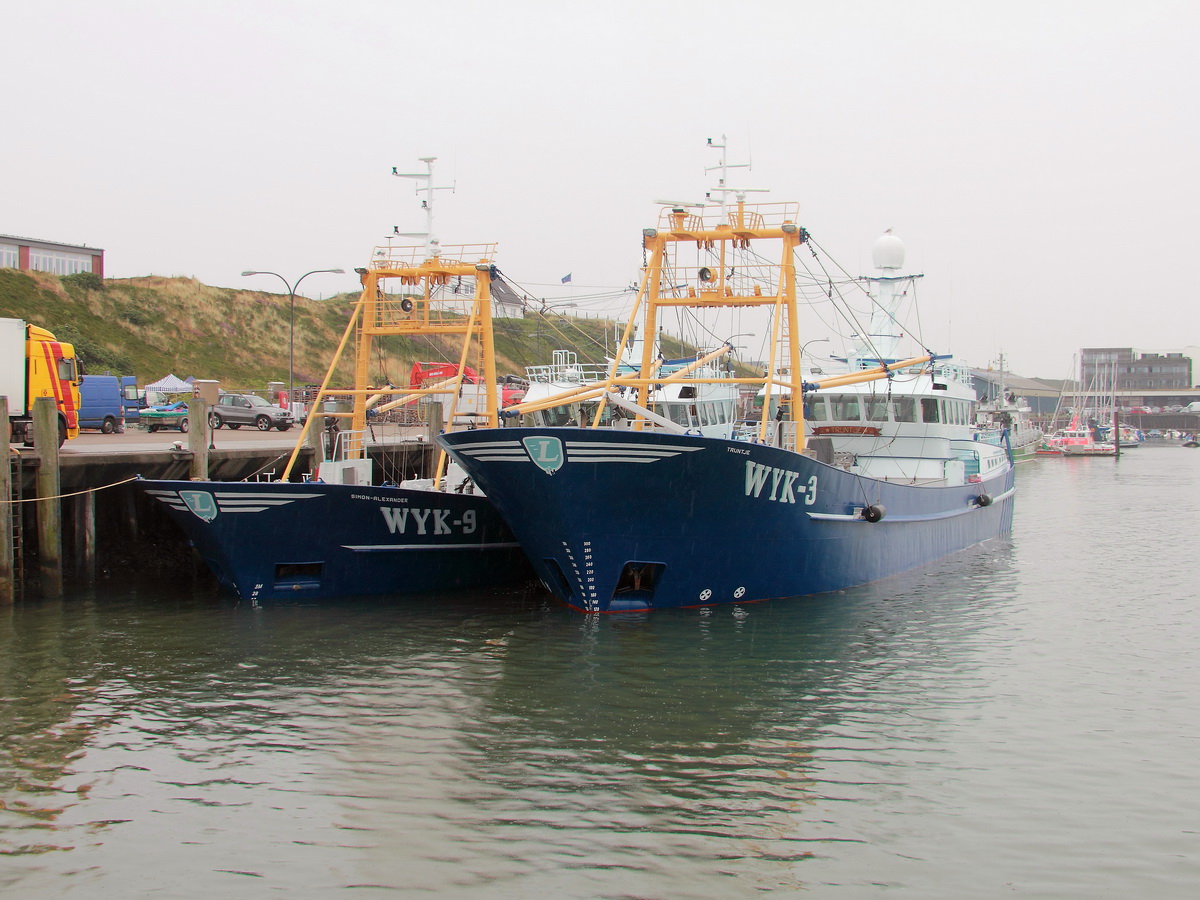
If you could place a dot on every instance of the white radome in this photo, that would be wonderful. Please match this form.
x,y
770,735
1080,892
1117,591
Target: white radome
x,y
888,251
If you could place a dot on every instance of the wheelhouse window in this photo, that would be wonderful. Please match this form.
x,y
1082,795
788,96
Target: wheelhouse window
x,y
929,409
904,409
844,408
877,410
815,409
677,413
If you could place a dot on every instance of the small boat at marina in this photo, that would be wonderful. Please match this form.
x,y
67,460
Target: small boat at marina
x,y
1076,440
1089,448
875,472
1006,420
1090,429
341,530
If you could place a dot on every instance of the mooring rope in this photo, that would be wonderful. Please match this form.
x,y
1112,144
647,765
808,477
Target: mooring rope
x,y
76,493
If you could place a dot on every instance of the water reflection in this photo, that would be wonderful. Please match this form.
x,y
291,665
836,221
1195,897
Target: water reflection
x,y
497,747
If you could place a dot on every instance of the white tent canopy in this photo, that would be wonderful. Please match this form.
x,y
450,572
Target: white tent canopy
x,y
171,385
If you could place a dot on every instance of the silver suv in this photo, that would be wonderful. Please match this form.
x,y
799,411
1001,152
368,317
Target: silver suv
x,y
236,410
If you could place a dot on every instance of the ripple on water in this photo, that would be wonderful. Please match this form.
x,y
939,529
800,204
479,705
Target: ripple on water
x,y
1019,718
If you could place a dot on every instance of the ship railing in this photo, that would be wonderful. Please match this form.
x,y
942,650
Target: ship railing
x,y
753,215
969,459
389,257
348,445
571,373
446,306
953,372
702,283
777,434
989,436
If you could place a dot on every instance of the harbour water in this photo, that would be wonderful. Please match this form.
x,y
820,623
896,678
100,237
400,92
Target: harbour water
x,y
1020,719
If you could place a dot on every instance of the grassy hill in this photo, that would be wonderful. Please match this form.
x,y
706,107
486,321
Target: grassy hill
x,y
151,325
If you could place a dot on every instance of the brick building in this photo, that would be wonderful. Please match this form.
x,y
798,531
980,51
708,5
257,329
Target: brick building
x,y
49,256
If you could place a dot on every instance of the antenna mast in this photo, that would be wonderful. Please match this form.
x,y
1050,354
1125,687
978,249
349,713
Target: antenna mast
x,y
722,188
431,242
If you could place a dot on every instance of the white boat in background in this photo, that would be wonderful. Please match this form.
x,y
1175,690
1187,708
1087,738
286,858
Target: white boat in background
x,y
569,392
1006,420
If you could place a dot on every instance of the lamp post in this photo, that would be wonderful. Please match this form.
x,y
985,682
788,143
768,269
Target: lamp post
x,y
292,317
823,340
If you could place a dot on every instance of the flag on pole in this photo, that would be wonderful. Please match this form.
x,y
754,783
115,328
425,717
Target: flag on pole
x,y
566,279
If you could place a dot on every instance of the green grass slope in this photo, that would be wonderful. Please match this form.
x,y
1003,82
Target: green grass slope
x,y
151,325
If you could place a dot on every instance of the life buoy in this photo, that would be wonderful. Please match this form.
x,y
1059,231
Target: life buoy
x,y
874,512
983,500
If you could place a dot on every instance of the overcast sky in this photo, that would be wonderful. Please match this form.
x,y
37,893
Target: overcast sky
x,y
1038,159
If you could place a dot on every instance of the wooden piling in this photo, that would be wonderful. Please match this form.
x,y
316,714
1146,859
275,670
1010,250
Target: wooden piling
x,y
8,513
49,506
85,537
316,443
433,421
129,513
199,438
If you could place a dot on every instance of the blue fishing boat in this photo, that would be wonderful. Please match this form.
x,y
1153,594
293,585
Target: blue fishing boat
x,y
340,529
875,472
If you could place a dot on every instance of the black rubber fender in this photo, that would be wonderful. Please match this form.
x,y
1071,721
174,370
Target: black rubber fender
x,y
984,500
875,512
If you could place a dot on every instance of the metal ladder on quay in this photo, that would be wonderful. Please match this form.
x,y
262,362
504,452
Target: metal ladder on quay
x,y
17,519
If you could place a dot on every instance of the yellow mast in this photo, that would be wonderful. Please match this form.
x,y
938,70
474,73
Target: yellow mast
x,y
741,226
425,305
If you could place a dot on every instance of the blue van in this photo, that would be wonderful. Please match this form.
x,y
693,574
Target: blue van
x,y
102,402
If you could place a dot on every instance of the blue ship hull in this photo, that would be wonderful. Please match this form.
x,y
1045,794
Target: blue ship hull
x,y
286,540
617,520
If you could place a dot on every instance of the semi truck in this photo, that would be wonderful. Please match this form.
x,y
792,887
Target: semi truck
x,y
34,364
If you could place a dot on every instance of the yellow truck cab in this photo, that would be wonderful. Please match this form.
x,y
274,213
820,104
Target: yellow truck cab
x,y
33,364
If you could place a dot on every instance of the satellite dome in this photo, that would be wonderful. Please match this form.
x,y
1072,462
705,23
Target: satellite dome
x,y
888,252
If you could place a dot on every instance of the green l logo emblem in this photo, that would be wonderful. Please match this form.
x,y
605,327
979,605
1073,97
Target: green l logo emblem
x,y
546,453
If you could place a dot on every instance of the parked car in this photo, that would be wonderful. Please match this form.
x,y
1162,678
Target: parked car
x,y
236,410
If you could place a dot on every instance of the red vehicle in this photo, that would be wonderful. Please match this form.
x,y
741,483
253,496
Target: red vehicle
x,y
423,373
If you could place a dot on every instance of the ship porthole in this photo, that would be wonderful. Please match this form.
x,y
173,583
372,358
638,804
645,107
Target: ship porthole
x,y
739,593
706,594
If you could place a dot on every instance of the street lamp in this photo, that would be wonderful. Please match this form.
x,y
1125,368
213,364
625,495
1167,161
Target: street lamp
x,y
824,340
292,317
